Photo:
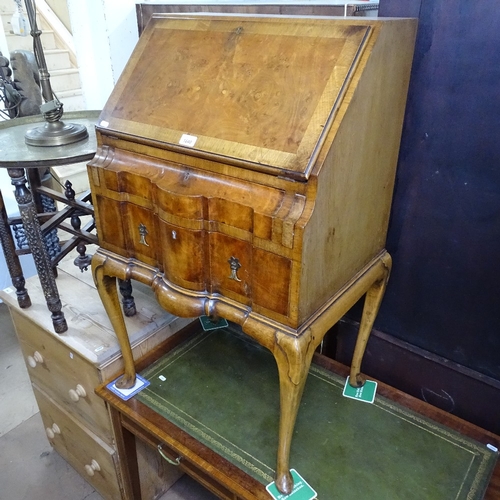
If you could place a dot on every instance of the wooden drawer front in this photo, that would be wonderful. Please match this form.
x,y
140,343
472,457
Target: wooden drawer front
x,y
108,215
271,281
230,267
88,454
62,374
184,256
127,229
142,236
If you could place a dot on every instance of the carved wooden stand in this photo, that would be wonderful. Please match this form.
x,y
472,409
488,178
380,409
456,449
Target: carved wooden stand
x,y
22,163
292,349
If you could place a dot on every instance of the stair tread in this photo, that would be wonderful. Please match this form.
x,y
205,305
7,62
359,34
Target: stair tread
x,y
66,71
56,51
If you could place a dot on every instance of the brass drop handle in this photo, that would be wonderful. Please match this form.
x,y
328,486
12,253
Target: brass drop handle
x,y
37,358
52,431
92,468
77,393
175,462
234,265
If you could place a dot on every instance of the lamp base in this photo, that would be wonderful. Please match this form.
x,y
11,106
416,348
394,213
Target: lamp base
x,y
55,134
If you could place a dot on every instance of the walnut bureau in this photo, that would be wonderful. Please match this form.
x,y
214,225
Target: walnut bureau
x,y
245,169
65,369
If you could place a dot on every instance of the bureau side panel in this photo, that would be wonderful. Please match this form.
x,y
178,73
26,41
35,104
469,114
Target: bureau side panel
x,y
356,172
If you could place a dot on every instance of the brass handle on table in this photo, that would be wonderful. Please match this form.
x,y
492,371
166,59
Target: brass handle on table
x,y
234,265
143,232
37,358
175,462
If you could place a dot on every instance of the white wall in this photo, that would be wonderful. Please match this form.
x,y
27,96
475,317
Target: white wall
x,y
3,42
105,34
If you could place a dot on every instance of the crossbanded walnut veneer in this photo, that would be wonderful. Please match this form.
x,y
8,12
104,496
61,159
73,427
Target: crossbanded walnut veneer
x,y
245,169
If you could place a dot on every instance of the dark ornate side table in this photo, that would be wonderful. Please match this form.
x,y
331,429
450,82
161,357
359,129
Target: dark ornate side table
x,y
23,164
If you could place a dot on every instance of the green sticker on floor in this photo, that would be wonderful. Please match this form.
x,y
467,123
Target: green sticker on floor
x,y
301,490
365,393
207,324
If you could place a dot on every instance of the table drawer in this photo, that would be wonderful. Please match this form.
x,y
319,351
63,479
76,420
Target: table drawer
x,y
84,450
64,375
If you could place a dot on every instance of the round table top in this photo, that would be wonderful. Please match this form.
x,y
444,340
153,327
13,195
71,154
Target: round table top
x,y
15,153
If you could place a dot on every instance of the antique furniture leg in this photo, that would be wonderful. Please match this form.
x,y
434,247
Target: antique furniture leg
x,y
293,358
373,300
12,259
37,247
107,289
293,355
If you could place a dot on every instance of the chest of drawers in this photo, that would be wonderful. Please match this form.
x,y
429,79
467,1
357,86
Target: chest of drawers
x,y
65,369
247,173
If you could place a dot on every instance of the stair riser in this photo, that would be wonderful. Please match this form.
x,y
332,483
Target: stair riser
x,y
6,18
57,60
73,103
16,42
66,81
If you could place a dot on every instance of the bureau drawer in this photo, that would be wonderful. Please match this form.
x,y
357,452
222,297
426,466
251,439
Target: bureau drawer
x,y
63,374
85,451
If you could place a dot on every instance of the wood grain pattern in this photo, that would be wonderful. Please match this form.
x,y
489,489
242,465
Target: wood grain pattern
x,y
254,76
275,216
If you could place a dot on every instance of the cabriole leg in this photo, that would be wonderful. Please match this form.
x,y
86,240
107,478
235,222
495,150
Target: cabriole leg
x,y
293,368
107,289
371,307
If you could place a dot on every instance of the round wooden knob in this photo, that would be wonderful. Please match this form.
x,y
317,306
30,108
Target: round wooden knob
x,y
90,469
52,431
77,393
37,358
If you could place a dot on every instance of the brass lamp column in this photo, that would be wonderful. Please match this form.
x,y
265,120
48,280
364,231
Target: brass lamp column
x,y
55,132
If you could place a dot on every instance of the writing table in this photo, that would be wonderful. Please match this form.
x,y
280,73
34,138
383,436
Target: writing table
x,y
211,408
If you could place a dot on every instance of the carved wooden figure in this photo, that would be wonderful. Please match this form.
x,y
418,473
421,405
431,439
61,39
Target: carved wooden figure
x,y
247,173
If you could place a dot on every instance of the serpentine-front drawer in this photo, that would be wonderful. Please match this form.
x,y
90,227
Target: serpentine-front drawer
x,y
64,375
178,220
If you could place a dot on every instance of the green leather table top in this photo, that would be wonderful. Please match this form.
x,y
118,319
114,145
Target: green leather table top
x,y
222,388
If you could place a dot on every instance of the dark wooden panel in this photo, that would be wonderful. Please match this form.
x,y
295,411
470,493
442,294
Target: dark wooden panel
x,y
444,236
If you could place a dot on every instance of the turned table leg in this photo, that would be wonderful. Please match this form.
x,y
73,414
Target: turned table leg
x,y
41,257
128,301
11,258
107,289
